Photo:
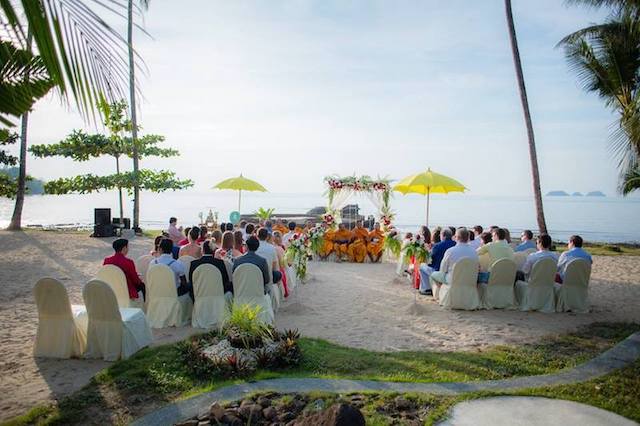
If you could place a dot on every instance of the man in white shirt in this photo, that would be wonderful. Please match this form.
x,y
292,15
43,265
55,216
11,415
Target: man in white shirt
x,y
178,269
286,237
543,244
476,242
175,233
461,250
268,252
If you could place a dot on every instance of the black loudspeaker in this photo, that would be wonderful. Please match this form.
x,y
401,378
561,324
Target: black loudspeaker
x,y
102,231
102,217
126,220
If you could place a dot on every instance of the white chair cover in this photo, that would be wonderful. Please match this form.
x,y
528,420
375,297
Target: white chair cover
x,y
274,292
573,294
499,292
115,278
164,307
462,291
142,265
210,307
521,256
112,333
59,335
248,289
538,294
485,262
186,261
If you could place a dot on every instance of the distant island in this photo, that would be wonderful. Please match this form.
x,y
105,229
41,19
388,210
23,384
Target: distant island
x,y
34,186
575,194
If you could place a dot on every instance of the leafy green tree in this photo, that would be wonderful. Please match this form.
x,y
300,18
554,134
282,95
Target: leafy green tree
x,y
606,59
8,184
533,156
80,146
631,181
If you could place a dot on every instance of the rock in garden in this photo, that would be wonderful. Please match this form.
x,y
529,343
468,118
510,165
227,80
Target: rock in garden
x,y
250,411
269,413
190,422
216,412
286,417
264,401
232,420
402,403
336,415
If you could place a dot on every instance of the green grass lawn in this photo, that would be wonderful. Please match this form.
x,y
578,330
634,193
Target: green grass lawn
x,y
155,376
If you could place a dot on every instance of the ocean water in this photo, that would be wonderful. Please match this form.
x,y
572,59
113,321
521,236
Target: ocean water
x,y
609,219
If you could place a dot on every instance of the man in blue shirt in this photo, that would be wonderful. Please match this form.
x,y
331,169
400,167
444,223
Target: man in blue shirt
x,y
527,241
574,251
437,254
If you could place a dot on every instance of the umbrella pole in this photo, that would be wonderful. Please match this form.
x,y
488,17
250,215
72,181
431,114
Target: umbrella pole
x,y
428,196
239,199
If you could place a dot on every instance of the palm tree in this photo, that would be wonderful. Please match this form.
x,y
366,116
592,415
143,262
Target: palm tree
x,y
80,54
134,121
542,226
606,59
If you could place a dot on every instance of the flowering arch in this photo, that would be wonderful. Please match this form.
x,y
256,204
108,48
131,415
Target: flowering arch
x,y
341,189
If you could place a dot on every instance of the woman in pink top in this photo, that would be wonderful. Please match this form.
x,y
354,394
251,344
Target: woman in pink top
x,y
228,246
192,249
277,243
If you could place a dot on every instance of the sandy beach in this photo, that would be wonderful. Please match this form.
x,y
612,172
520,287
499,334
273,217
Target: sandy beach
x,y
364,306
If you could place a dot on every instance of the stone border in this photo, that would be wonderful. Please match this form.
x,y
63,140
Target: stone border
x,y
621,355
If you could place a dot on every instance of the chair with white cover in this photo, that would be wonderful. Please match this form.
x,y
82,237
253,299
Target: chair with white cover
x,y
117,280
112,333
521,256
462,291
186,261
275,293
499,292
59,334
142,265
485,262
538,294
248,288
164,307
210,307
573,294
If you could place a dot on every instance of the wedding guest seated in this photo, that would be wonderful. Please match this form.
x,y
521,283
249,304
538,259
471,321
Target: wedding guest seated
x,y
497,249
437,255
375,246
192,249
185,240
228,246
243,229
341,240
435,235
268,251
507,235
228,227
203,234
269,225
358,248
475,241
175,233
216,239
527,241
156,246
461,250
238,242
120,259
251,257
426,235
208,258
179,272
287,236
250,229
543,244
222,227
282,265
575,251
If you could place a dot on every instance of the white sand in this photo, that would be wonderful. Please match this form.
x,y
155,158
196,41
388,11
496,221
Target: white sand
x,y
354,305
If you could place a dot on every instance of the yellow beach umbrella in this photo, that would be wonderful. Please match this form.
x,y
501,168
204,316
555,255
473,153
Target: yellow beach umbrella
x,y
240,184
427,183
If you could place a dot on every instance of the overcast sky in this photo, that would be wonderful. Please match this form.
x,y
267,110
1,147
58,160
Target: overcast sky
x,y
288,92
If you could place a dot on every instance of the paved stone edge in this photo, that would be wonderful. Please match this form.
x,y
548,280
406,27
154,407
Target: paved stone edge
x,y
621,355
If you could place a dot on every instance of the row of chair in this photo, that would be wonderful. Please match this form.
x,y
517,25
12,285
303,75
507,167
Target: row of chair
x,y
539,293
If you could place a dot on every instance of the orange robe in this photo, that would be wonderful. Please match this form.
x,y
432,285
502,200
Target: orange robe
x,y
281,228
341,240
376,243
358,248
327,244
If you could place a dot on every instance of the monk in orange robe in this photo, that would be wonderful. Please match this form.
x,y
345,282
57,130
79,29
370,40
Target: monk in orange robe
x,y
327,244
341,240
376,244
358,248
281,227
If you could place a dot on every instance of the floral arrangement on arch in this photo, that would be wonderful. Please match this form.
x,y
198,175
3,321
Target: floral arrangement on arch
x,y
336,184
393,241
329,219
417,248
298,252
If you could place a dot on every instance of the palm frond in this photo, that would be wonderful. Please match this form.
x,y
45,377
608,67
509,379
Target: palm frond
x,y
630,181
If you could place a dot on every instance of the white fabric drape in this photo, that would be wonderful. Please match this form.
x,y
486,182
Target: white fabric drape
x,y
340,199
376,198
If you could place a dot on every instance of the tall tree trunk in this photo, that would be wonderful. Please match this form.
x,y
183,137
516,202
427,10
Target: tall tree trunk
x,y
16,218
542,226
134,121
120,194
